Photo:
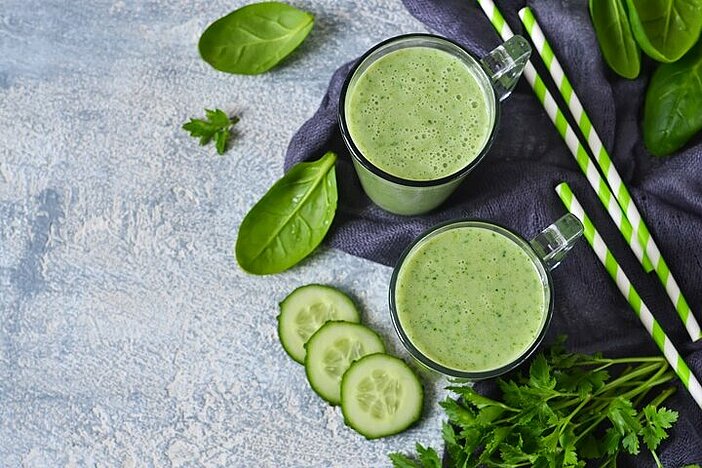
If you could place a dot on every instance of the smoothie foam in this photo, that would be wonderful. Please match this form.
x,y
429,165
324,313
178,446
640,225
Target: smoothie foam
x,y
470,299
419,113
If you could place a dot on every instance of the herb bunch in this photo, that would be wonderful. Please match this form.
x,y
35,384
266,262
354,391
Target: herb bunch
x,y
567,409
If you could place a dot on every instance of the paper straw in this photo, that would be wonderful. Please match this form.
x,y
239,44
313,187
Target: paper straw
x,y
580,154
627,289
602,158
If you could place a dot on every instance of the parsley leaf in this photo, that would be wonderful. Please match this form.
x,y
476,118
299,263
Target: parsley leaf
x,y
428,457
218,126
540,374
656,421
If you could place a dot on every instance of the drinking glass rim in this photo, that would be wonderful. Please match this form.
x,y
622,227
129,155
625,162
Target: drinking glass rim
x,y
358,154
431,364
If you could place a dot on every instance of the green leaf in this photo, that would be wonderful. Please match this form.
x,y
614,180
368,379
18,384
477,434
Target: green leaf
x,y
473,397
254,38
291,219
655,424
615,38
623,416
493,442
512,455
489,414
570,456
582,381
458,413
672,106
610,443
218,117
218,126
665,29
402,461
201,128
455,451
631,443
540,374
428,457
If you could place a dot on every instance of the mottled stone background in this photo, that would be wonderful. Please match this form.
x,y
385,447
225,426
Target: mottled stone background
x,y
128,334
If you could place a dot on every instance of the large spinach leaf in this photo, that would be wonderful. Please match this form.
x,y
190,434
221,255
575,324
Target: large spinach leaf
x,y
615,38
673,107
291,219
254,38
665,29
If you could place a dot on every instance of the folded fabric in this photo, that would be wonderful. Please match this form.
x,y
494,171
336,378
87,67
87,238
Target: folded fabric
x,y
514,184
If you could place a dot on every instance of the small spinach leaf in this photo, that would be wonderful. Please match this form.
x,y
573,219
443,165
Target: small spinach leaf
x,y
254,38
614,35
673,102
291,219
665,29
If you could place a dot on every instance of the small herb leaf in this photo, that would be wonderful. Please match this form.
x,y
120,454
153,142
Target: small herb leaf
x,y
540,374
218,126
254,38
656,421
402,461
428,457
291,219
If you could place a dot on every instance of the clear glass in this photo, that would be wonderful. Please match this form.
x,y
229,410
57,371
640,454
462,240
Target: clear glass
x,y
546,251
497,74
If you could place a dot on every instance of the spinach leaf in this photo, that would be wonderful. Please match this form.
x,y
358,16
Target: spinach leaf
x,y
614,35
673,106
254,38
291,219
665,29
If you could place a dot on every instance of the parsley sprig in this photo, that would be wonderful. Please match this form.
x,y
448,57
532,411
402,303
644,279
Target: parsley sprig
x,y
568,408
218,126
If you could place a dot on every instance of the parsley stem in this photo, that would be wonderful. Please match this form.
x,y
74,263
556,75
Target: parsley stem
x,y
568,418
611,362
641,370
655,457
663,396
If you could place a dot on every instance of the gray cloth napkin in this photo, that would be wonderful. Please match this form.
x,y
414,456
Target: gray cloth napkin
x,y
513,186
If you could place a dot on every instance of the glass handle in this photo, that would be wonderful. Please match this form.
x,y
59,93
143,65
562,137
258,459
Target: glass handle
x,y
554,242
505,64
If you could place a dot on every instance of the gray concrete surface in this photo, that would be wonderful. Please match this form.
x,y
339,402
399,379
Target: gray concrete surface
x,y
128,334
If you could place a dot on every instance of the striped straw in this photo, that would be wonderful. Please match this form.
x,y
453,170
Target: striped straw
x,y
587,167
627,289
610,173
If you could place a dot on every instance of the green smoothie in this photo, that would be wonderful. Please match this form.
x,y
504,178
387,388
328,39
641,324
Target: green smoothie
x,y
419,113
470,299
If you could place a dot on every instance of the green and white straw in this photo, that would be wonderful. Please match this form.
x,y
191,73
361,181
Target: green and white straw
x,y
610,173
588,167
627,289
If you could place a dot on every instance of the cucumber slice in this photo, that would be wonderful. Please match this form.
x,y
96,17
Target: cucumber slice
x,y
331,350
380,396
305,310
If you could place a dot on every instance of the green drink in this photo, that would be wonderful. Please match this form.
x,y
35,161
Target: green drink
x,y
418,112
472,300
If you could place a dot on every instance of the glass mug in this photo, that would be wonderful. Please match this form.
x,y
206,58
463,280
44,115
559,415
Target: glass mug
x,y
490,80
472,300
